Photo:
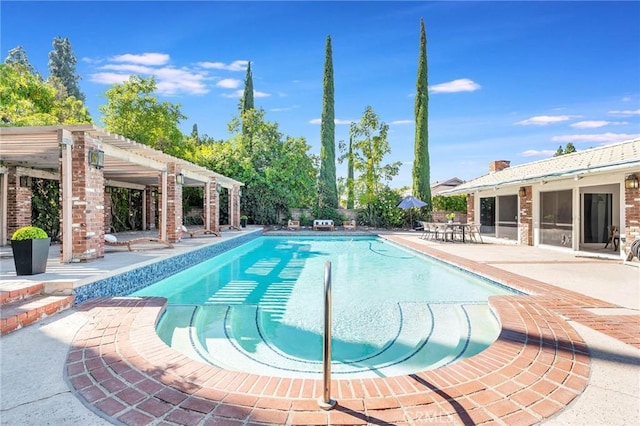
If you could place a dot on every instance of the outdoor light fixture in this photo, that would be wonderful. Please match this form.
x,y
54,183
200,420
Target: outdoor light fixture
x,y
96,158
522,192
180,178
219,188
240,192
631,182
25,181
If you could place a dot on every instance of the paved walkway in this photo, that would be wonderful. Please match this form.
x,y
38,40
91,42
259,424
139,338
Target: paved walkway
x,y
120,370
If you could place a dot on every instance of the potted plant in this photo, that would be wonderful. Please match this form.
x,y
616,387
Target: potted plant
x,y
243,220
450,217
30,246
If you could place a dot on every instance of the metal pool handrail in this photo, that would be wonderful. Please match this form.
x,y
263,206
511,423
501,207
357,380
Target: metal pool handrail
x,y
325,402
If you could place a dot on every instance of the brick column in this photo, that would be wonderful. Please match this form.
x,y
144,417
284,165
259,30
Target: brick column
x,y
174,204
631,215
87,229
234,207
151,209
108,218
525,222
471,210
18,203
211,200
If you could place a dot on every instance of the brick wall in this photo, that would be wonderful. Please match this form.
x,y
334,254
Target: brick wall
x,y
18,203
632,215
525,209
87,202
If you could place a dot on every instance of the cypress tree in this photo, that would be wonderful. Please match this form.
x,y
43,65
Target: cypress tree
x,y
420,173
62,64
247,97
328,187
350,180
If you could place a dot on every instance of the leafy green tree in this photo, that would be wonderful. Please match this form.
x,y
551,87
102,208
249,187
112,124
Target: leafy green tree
x,y
277,171
27,100
45,206
450,203
369,146
421,170
328,192
18,55
134,112
62,64
569,148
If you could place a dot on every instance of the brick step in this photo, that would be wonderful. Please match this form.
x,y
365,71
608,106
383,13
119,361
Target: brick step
x,y
11,293
23,312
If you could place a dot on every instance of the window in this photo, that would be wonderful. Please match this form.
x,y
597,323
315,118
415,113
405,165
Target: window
x,y
556,218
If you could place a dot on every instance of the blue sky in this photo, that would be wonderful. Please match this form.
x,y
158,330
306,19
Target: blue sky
x,y
508,80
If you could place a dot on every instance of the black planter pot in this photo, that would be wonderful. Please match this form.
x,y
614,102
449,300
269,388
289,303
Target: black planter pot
x,y
243,223
30,256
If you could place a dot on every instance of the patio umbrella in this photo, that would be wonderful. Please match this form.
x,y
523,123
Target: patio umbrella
x,y
410,202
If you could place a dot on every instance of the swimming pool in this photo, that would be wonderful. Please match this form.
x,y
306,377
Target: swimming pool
x,y
259,308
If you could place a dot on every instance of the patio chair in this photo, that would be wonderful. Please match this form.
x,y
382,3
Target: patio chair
x,y
429,231
614,238
349,225
293,225
194,232
111,240
474,232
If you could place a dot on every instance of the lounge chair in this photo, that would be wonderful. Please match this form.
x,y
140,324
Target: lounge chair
x,y
200,231
349,225
111,240
293,225
322,224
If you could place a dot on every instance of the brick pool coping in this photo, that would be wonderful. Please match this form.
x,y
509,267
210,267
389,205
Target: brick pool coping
x,y
119,367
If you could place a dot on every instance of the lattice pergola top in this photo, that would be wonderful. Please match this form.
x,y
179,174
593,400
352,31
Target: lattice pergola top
x,y
127,163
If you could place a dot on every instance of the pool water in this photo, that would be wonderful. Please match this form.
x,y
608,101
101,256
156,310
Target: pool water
x,y
259,308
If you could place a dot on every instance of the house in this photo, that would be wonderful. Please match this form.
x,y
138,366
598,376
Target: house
x,y
438,187
569,201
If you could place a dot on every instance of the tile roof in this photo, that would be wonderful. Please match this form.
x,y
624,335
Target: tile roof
x,y
619,156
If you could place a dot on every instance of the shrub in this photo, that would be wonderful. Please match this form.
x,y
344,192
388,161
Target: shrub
x,y
29,233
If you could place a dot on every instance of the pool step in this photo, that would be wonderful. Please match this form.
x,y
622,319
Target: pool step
x,y
243,338
25,305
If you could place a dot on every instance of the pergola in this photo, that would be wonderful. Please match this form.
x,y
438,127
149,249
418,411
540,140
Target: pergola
x,y
85,159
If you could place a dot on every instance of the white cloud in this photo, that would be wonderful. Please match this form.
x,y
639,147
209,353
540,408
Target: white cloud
x,y
603,138
626,99
130,68
596,123
537,153
239,65
336,121
144,59
108,78
625,112
543,120
460,85
399,122
238,94
229,83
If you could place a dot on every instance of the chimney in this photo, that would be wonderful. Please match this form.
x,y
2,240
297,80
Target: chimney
x,y
497,165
